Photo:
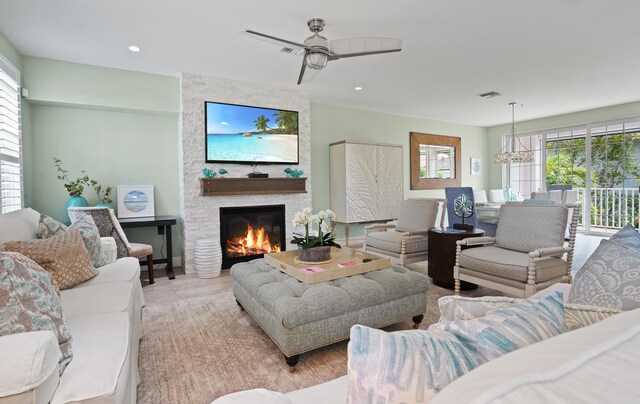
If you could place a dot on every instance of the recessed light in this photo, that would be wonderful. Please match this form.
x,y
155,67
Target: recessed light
x,y
134,48
358,88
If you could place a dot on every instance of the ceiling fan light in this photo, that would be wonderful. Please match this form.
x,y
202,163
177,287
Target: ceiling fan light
x,y
316,60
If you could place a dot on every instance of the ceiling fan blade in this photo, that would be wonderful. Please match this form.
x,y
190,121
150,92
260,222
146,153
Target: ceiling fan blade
x,y
273,40
306,73
350,47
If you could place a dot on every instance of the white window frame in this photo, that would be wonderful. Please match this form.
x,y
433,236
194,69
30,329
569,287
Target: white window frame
x,y
14,73
587,127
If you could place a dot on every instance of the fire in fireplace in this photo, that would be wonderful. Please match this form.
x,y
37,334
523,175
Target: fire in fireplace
x,y
252,243
249,232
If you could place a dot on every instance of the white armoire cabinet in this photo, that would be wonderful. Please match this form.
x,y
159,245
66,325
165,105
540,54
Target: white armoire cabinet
x,y
366,181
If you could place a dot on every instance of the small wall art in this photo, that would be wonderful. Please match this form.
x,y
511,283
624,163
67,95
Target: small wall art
x,y
135,201
476,166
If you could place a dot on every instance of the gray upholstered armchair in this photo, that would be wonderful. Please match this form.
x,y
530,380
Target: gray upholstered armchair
x,y
406,241
526,255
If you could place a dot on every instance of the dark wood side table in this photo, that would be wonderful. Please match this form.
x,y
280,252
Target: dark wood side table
x,y
442,254
163,223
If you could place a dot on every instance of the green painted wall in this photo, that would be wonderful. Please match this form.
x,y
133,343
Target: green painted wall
x,y
9,52
495,133
119,126
57,82
331,124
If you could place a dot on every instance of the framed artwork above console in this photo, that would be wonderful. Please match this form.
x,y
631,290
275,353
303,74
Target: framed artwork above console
x,y
434,161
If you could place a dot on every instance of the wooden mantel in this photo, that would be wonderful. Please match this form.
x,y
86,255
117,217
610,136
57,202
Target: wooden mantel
x,y
251,186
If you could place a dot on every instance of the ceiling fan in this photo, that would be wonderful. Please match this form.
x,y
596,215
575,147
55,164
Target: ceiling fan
x,y
318,50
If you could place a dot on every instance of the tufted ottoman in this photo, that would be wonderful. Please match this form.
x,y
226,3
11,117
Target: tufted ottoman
x,y
300,317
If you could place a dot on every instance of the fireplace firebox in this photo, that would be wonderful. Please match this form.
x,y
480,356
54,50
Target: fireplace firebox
x,y
249,232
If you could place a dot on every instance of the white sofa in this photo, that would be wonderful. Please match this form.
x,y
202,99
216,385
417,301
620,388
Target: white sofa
x,y
104,318
595,364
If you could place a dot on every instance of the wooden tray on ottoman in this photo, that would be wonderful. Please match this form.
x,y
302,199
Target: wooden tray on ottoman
x,y
284,261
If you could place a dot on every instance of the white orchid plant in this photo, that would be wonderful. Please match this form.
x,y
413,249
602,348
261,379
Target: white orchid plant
x,y
307,219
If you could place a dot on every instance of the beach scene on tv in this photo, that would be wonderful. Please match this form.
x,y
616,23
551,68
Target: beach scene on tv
x,y
250,134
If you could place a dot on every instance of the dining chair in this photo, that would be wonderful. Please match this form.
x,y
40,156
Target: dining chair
x,y
480,196
496,195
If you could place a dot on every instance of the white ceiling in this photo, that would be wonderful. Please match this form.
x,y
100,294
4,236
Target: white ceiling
x,y
553,56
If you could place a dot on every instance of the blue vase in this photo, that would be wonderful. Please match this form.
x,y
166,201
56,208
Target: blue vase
x,y
76,202
103,205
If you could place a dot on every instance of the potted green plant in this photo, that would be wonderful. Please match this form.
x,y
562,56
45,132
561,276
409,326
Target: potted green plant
x,y
314,248
75,187
104,200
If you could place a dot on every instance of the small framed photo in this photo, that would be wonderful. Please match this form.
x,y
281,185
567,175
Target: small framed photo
x,y
476,166
135,201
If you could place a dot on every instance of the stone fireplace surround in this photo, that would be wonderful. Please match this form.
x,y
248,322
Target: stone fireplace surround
x,y
200,215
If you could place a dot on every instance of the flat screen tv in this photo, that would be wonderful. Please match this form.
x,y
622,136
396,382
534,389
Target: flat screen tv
x,y
250,135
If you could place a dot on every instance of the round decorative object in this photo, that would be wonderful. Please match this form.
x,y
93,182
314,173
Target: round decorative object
x,y
463,206
136,201
314,255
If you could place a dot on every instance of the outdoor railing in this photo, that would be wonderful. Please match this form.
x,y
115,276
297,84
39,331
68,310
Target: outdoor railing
x,y
611,208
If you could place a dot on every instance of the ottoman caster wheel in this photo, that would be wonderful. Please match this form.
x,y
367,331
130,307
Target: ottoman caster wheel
x,y
417,320
292,361
241,308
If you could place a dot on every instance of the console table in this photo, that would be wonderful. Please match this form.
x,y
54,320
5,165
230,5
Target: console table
x,y
163,223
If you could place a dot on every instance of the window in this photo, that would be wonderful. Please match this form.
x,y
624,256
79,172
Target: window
x,y
528,177
11,197
600,160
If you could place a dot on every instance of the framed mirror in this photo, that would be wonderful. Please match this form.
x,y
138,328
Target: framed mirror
x,y
435,161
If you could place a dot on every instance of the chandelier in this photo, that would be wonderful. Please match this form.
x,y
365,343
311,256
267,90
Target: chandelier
x,y
509,153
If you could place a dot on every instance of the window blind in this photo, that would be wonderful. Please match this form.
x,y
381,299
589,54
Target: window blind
x,y
11,195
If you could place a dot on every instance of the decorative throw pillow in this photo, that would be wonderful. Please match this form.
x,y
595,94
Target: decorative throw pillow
x,y
454,308
412,366
627,237
64,256
108,226
576,316
610,278
48,226
28,302
31,264
88,230
579,315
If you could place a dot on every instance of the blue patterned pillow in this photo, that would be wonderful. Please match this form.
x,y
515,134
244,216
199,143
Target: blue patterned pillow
x,y
627,237
412,366
49,227
610,278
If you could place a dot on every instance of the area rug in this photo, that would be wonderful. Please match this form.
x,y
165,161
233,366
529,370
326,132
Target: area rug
x,y
196,350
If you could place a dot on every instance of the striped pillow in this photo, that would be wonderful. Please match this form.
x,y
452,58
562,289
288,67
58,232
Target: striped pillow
x,y
412,366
